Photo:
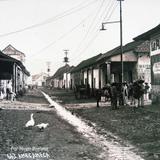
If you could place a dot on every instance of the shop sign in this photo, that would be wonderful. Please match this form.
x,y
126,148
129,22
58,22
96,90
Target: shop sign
x,y
155,46
156,68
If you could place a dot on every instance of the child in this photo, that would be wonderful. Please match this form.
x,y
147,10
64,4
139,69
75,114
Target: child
x,y
13,96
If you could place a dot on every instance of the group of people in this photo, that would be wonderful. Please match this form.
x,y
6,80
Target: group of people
x,y
120,94
10,95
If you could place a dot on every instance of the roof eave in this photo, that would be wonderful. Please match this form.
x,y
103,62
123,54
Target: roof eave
x,y
148,34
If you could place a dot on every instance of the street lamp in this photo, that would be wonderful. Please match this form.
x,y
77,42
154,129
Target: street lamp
x,y
121,36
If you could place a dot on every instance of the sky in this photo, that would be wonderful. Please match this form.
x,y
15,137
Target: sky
x,y
43,29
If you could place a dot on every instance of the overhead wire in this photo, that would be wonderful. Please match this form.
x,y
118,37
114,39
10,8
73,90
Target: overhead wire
x,y
51,20
95,36
62,36
109,9
89,28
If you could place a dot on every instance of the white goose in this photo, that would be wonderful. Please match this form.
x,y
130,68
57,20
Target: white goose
x,y
31,122
42,125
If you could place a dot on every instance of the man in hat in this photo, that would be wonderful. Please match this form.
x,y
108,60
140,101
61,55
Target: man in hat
x,y
114,95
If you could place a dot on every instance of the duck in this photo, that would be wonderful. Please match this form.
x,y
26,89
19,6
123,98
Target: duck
x,y
42,125
31,122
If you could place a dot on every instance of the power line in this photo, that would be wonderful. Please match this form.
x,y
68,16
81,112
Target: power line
x,y
62,36
50,20
109,9
91,25
92,40
95,26
89,31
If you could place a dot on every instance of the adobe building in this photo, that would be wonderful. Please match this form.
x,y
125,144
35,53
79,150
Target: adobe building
x,y
136,63
14,53
12,69
153,36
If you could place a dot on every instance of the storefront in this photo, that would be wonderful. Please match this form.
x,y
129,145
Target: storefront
x,y
153,36
155,60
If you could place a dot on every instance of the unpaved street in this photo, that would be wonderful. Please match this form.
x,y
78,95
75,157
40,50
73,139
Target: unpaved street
x,y
59,141
135,130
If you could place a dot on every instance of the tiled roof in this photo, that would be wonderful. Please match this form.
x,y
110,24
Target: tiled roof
x,y
86,63
10,47
146,35
8,58
108,54
135,46
117,50
59,73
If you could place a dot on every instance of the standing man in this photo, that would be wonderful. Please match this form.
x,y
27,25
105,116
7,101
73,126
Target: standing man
x,y
125,93
9,89
146,91
114,96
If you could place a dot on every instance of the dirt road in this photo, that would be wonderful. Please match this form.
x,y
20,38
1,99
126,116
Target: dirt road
x,y
59,141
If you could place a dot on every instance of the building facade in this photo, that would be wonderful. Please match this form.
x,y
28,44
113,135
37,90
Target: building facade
x,y
12,70
14,53
153,36
39,79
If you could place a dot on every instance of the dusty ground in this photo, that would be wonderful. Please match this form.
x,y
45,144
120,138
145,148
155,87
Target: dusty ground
x,y
140,127
59,141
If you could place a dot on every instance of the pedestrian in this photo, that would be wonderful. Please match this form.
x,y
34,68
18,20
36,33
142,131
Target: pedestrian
x,y
13,96
107,92
130,93
114,96
8,89
120,94
141,99
138,91
146,91
125,93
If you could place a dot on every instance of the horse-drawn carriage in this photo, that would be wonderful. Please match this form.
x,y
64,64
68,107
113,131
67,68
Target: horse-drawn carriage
x,y
81,91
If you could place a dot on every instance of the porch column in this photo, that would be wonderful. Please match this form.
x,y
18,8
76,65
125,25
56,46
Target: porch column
x,y
108,72
99,77
92,79
14,78
87,76
81,77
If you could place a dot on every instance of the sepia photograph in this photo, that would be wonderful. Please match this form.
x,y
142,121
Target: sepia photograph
x,y
79,80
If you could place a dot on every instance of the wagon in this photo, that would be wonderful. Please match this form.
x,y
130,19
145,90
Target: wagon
x,y
81,91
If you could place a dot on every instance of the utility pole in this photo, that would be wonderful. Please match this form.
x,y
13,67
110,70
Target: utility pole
x,y
66,58
48,67
121,41
66,62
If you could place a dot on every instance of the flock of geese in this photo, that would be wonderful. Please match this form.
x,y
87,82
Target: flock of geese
x,y
31,123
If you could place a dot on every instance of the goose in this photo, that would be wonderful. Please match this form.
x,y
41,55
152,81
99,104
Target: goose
x,y
42,125
31,122
51,105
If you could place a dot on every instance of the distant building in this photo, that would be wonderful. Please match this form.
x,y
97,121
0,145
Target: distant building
x,y
39,79
61,78
14,53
